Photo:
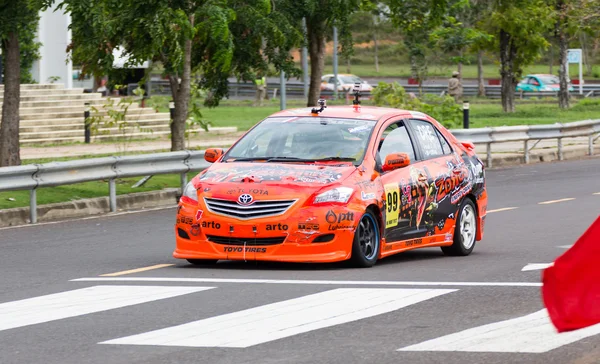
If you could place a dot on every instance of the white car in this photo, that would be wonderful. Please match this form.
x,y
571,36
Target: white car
x,y
345,83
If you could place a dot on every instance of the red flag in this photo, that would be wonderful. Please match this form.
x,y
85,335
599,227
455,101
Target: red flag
x,y
571,287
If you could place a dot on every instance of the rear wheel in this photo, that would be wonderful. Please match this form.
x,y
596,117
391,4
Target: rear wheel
x,y
202,261
365,247
465,230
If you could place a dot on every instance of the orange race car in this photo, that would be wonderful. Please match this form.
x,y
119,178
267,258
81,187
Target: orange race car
x,y
332,184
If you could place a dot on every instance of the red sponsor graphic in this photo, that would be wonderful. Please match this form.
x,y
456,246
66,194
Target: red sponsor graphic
x,y
199,214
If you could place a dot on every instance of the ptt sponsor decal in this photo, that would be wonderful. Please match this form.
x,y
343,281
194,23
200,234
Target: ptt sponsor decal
x,y
185,220
336,221
367,196
241,249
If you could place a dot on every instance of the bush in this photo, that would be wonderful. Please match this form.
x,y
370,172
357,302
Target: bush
x,y
442,108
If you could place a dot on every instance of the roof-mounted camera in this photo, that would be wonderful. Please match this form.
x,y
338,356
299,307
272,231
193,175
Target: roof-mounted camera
x,y
323,105
356,89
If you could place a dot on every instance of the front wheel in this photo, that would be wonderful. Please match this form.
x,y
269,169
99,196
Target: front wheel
x,y
365,247
465,230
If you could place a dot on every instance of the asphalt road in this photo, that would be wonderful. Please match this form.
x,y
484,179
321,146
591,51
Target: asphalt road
x,y
57,305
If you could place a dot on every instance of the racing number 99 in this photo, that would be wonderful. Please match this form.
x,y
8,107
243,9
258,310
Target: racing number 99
x,y
392,198
392,193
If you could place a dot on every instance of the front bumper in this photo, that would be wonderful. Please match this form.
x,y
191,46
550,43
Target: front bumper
x,y
307,237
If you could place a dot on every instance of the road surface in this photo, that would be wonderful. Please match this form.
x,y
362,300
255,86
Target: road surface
x,y
106,290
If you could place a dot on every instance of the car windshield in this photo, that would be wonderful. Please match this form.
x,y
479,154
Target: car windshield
x,y
304,139
549,79
350,79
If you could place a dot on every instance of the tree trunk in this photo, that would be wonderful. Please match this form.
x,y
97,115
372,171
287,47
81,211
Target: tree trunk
x,y
181,97
507,56
563,46
316,50
460,67
10,154
348,65
481,89
376,49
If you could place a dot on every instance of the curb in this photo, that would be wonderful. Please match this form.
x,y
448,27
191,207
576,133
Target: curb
x,y
537,156
89,207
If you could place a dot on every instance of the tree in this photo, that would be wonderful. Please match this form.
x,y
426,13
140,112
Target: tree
x,y
372,21
321,16
16,18
518,27
573,17
211,38
416,19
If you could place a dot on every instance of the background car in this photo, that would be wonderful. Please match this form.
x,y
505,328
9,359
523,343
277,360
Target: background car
x,y
339,183
345,83
540,82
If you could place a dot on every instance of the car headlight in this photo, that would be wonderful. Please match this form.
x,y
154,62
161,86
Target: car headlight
x,y
339,194
190,192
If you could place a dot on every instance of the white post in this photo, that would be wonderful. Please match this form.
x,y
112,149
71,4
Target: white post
x,y
581,73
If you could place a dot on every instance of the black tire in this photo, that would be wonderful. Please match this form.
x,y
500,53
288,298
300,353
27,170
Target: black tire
x,y
465,231
202,261
366,243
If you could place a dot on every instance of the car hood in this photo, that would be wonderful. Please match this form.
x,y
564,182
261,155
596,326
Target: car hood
x,y
272,178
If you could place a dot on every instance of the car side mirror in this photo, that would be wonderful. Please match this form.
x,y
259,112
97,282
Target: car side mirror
x,y
212,155
395,161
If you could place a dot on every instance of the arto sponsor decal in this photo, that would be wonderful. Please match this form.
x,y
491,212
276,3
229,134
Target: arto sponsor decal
x,y
241,249
282,227
211,225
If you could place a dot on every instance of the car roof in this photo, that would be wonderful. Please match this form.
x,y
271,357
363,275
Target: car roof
x,y
339,74
364,112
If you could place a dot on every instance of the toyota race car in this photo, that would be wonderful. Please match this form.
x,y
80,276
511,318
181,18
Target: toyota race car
x,y
333,184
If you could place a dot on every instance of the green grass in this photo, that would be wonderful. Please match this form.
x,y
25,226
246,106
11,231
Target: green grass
x,y
85,190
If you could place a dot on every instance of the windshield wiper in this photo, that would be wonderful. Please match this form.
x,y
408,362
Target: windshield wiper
x,y
340,159
268,159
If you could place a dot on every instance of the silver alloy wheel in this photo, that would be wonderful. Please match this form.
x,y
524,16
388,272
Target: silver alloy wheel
x,y
367,237
468,227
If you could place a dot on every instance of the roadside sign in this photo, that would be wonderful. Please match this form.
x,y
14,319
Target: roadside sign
x,y
575,56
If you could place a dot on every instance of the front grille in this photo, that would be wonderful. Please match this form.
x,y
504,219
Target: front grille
x,y
226,240
257,210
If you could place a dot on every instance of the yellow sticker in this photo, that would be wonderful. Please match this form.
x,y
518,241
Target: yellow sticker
x,y
392,197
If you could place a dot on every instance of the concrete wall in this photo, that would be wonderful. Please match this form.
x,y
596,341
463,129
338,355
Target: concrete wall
x,y
54,35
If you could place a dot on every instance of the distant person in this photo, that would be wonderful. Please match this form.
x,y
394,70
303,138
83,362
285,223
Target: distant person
x,y
261,89
455,87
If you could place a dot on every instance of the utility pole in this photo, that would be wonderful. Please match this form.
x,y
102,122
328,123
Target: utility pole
x,y
335,63
282,90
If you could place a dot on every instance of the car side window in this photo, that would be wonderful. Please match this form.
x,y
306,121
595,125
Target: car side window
x,y
445,146
395,139
427,139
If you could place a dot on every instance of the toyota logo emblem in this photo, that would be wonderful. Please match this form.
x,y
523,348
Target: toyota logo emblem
x,y
245,199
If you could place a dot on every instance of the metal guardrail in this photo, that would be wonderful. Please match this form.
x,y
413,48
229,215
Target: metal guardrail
x,y
295,89
32,177
531,133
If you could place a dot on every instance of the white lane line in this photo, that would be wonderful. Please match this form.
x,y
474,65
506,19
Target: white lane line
x,y
536,266
502,209
300,281
278,320
596,193
555,201
533,333
83,301
566,246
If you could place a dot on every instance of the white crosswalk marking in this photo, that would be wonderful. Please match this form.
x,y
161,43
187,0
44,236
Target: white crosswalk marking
x,y
283,319
81,302
533,333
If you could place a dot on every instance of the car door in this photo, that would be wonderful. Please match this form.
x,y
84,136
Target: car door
x,y
399,215
447,180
